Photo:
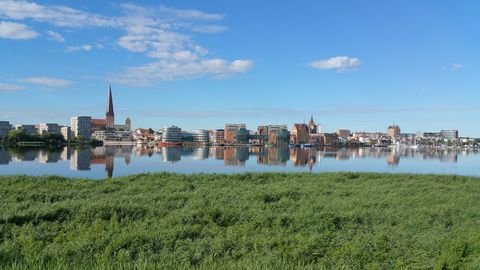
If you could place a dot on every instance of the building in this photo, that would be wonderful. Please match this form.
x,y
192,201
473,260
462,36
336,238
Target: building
x,y
201,136
110,115
27,129
172,134
312,126
299,134
128,124
218,137
66,133
236,134
449,134
278,135
343,133
81,126
5,128
45,128
98,124
393,131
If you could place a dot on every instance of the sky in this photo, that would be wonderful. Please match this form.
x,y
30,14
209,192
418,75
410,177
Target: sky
x,y
359,65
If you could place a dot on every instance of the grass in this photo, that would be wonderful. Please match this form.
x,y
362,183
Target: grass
x,y
243,221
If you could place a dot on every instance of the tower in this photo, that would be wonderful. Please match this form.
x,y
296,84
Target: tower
x,y
110,116
128,124
312,126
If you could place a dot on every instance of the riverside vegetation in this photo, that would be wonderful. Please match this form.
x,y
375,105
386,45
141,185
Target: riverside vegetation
x,y
243,221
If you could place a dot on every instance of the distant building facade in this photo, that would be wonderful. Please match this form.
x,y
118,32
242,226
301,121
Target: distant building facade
x,y
28,129
343,133
66,133
236,134
218,137
449,134
81,126
278,135
45,128
393,131
5,128
300,134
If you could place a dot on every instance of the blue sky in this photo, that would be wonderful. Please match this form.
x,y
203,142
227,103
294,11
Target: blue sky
x,y
199,64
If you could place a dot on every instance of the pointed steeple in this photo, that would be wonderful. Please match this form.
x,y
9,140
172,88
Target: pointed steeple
x,y
110,115
110,102
311,123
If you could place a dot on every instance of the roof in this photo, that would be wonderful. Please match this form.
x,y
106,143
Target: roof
x,y
98,122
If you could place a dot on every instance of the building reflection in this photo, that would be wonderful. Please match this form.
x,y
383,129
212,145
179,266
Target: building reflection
x,y
84,158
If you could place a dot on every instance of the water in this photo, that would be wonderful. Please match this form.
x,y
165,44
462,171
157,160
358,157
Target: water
x,y
102,162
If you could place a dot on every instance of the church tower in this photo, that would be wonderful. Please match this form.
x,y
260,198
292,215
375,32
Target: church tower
x,y
313,128
110,116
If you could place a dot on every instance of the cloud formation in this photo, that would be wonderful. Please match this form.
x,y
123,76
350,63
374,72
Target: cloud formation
x,y
46,81
162,34
55,36
10,87
85,47
336,63
11,30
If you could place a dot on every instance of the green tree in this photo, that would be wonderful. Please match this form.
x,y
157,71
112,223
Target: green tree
x,y
15,136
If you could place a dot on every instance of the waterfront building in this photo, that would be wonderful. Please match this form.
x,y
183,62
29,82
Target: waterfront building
x,y
278,135
312,126
343,133
393,131
300,134
5,128
98,124
236,134
201,136
218,137
449,134
66,133
81,126
172,135
44,128
27,129
128,124
110,115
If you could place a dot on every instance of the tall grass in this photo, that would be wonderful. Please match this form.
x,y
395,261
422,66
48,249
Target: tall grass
x,y
259,221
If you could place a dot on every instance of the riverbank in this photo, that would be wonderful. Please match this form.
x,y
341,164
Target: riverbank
x,y
274,220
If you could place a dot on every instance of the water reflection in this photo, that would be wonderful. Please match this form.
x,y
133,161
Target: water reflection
x,y
83,159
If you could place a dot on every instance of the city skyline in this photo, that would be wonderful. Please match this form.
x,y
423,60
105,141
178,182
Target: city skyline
x,y
200,65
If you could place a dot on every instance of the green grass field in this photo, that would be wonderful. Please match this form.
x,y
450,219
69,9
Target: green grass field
x,y
244,221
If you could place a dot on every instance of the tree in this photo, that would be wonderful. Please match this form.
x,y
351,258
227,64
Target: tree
x,y
15,136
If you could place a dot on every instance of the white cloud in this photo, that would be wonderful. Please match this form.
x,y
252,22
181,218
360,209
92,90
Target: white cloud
x,y
85,47
46,81
55,36
161,33
336,63
56,15
457,66
209,28
13,30
10,87
165,70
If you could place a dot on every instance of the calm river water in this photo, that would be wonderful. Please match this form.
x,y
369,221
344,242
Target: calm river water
x,y
102,162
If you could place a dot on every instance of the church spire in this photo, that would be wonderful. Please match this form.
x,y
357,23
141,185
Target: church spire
x,y
110,102
110,115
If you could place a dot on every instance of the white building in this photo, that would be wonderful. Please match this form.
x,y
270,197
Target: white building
x,y
81,126
66,133
44,128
